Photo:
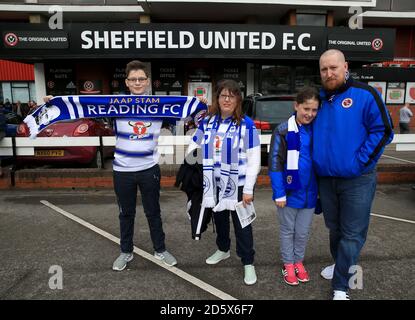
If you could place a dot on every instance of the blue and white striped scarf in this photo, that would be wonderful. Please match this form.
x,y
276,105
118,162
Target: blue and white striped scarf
x,y
228,195
293,155
62,108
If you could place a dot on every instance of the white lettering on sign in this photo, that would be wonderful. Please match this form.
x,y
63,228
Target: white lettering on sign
x,y
170,43
231,40
85,38
159,39
128,37
122,109
363,43
135,39
207,40
116,39
351,43
287,39
208,44
103,39
300,42
43,39
268,36
242,36
186,39
253,40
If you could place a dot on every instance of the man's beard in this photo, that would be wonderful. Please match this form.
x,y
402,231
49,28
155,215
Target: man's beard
x,y
332,85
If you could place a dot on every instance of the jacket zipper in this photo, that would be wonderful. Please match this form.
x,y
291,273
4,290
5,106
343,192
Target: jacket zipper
x,y
309,178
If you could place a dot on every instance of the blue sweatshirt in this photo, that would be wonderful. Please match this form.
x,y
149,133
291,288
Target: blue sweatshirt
x,y
351,130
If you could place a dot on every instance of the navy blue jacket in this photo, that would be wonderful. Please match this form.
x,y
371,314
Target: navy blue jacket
x,y
351,130
306,196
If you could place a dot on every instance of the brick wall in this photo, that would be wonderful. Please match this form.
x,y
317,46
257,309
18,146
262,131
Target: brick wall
x,y
95,178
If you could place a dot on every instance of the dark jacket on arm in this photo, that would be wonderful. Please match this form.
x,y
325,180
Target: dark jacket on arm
x,y
190,180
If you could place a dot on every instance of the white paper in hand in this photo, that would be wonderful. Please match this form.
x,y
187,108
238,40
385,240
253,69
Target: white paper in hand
x,y
245,215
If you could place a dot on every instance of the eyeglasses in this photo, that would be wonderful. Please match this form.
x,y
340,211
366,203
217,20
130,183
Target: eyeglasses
x,y
140,80
226,97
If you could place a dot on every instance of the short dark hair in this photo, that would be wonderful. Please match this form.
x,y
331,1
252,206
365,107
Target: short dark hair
x,y
307,93
135,65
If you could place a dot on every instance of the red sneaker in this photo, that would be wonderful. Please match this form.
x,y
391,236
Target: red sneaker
x,y
301,272
288,273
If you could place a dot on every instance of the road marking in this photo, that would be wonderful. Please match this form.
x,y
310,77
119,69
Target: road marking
x,y
391,218
399,159
180,273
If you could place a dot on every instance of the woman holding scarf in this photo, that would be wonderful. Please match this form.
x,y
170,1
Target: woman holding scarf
x,y
231,162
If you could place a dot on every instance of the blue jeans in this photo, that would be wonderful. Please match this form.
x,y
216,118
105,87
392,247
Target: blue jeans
x,y
346,207
125,186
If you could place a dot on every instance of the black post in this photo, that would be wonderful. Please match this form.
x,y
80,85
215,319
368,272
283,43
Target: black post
x,y
13,170
101,149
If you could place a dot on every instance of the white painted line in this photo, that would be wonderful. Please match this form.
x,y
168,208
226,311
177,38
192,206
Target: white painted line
x,y
392,218
180,273
403,160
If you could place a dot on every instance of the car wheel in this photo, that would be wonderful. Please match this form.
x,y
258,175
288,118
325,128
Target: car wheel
x,y
96,162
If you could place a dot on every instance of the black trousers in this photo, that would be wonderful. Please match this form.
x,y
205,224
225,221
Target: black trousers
x,y
244,237
125,186
404,127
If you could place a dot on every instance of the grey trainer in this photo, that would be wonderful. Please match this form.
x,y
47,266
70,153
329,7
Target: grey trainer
x,y
121,262
166,257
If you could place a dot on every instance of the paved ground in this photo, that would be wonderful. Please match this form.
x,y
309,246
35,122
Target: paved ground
x,y
390,155
34,237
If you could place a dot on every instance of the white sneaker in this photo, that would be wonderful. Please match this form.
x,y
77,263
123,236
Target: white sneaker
x,y
218,256
340,295
327,272
250,275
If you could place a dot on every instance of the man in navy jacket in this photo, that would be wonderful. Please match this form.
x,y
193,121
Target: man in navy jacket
x,y
351,131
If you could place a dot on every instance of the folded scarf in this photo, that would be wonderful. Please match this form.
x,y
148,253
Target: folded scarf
x,y
228,195
293,155
118,106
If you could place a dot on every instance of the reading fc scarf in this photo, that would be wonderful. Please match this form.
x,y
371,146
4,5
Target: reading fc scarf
x,y
229,173
293,155
63,108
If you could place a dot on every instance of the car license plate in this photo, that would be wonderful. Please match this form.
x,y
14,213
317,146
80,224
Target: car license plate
x,y
49,153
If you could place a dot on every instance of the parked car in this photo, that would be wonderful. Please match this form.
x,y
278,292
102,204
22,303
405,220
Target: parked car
x,y
13,118
268,112
89,156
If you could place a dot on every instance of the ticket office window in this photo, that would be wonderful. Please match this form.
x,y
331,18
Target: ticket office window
x,y
306,19
275,79
286,79
22,91
306,76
